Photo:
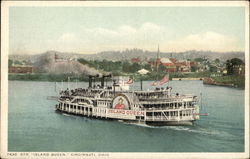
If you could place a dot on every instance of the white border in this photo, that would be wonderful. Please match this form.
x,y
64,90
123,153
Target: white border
x,y
4,74
128,3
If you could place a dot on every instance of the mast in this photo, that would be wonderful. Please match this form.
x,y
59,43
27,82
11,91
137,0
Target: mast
x,y
157,66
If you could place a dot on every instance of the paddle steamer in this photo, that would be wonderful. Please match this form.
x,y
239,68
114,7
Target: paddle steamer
x,y
118,101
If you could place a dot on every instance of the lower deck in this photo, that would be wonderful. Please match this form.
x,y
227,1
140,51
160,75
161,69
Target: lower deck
x,y
160,116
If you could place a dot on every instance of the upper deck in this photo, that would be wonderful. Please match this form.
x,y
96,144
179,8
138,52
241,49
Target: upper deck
x,y
146,97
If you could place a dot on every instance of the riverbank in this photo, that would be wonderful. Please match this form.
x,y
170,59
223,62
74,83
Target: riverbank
x,y
47,77
73,77
229,81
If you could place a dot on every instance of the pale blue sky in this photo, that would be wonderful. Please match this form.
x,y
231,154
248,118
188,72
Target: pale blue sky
x,y
94,29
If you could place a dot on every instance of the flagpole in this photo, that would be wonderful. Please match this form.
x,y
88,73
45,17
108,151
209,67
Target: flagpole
x,y
157,67
133,89
168,79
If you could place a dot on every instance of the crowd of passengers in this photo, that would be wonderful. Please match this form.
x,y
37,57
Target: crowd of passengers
x,y
80,92
162,88
92,93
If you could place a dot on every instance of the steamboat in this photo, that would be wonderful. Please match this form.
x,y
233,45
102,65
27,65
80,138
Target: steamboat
x,y
118,101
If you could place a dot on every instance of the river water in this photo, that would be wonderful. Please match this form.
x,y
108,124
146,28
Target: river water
x,y
33,124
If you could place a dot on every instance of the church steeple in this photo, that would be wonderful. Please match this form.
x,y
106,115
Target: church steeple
x,y
158,52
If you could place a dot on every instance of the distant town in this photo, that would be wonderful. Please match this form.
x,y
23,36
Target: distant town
x,y
55,66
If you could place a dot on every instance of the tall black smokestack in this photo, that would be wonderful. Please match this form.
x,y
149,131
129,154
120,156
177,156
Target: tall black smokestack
x,y
90,81
102,81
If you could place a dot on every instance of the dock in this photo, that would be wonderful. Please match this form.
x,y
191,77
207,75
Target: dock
x,y
187,79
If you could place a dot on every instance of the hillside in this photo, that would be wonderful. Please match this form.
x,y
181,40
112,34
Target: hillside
x,y
128,54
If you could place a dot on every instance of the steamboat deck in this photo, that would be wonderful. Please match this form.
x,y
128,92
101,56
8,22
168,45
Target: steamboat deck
x,y
152,107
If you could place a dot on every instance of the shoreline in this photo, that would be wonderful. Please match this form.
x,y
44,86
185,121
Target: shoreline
x,y
225,81
236,83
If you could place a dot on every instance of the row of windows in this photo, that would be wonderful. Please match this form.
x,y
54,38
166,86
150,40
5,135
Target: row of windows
x,y
103,103
172,113
82,108
99,110
72,107
169,105
83,100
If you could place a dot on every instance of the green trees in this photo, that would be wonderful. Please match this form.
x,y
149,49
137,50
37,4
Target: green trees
x,y
199,59
230,65
212,68
162,69
116,67
217,61
194,68
10,62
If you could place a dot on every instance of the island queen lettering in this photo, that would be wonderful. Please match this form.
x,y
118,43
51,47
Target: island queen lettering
x,y
126,112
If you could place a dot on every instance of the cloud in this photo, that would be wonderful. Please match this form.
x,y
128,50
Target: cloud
x,y
65,42
67,38
146,34
205,41
147,37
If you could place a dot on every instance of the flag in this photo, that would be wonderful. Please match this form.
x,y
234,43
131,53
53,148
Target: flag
x,y
154,83
164,80
130,81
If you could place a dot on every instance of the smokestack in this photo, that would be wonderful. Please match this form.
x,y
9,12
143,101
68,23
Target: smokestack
x,y
102,81
90,81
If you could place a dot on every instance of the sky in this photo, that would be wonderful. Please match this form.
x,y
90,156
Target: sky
x,y
86,30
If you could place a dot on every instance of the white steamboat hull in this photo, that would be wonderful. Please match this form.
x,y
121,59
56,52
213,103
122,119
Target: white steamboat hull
x,y
164,117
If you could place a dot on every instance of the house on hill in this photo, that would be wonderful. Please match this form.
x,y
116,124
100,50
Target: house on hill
x,y
173,65
239,69
136,60
183,66
170,66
